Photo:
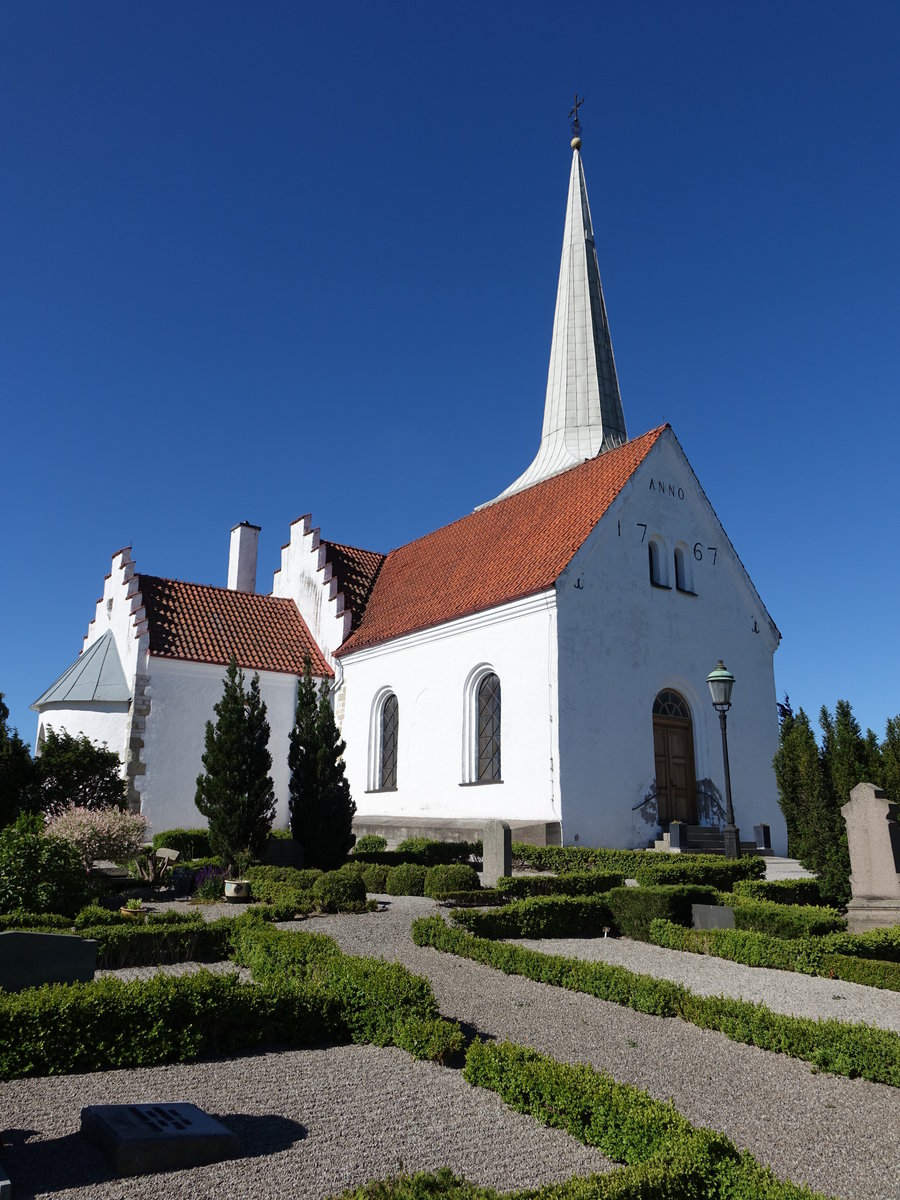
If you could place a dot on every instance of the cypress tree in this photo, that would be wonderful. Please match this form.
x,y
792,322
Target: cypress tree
x,y
890,757
235,793
16,771
322,810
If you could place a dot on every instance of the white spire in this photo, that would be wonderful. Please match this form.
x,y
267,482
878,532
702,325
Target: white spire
x,y
583,409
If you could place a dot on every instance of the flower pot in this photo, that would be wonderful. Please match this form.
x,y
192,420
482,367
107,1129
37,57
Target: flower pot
x,y
133,914
237,891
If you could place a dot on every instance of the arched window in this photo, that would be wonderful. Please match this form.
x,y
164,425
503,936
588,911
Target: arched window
x,y
489,729
390,732
659,574
481,726
684,577
384,734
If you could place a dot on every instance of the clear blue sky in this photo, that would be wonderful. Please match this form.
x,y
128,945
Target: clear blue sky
x,y
259,260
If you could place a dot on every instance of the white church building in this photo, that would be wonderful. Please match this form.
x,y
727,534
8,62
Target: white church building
x,y
542,660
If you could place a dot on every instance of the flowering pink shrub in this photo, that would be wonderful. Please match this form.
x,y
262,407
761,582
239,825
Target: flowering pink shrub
x,y
100,832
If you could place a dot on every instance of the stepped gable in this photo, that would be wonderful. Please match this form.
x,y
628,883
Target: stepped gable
x,y
505,551
199,623
355,571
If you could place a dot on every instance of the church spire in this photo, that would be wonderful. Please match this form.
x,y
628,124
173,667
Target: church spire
x,y
583,409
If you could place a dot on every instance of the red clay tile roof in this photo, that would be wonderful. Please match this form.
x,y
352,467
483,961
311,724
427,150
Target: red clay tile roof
x,y
513,548
199,623
356,571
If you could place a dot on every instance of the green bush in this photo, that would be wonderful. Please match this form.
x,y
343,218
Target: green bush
x,y
190,843
19,919
106,1024
480,898
369,843
571,883
407,879
375,877
428,852
843,1049
339,891
783,920
633,908
707,869
268,882
669,1159
540,917
782,891
451,877
144,945
565,859
39,874
867,971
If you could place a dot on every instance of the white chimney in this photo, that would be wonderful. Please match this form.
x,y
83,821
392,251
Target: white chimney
x,y
242,557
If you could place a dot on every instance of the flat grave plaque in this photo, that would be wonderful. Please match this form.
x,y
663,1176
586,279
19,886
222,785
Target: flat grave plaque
x,y
712,916
137,1139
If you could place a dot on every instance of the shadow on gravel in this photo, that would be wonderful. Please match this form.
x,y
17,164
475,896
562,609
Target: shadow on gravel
x,y
39,1167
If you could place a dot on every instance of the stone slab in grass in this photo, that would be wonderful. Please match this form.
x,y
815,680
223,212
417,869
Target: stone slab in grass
x,y
137,1139
31,959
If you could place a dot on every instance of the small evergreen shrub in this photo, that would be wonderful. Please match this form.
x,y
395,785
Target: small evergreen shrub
x,y
781,891
783,920
407,879
339,891
451,877
480,898
571,883
429,852
707,869
268,882
369,843
190,843
375,878
540,917
20,919
40,873
131,945
634,908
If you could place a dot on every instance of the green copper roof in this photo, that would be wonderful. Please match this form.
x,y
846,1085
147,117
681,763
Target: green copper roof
x,y
96,675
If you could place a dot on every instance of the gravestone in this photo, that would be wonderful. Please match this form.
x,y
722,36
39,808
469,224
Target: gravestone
x,y
873,838
137,1139
32,959
496,859
712,916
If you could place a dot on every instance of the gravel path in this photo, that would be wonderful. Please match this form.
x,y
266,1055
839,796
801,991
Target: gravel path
x,y
338,1116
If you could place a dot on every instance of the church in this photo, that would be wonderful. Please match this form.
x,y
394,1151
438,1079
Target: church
x,y
541,661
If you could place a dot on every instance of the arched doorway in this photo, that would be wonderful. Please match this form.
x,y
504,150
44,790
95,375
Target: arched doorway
x,y
673,749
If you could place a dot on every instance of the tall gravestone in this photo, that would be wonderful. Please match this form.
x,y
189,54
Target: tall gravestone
x,y
873,838
496,857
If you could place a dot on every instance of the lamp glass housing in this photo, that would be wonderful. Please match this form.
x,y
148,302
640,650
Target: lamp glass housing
x,y
721,682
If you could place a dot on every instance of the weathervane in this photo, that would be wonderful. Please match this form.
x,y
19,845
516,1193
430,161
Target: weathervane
x,y
573,117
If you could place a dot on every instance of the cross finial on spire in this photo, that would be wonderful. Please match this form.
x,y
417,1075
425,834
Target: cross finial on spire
x,y
573,116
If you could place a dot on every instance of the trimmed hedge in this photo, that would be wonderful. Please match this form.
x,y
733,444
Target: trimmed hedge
x,y
626,1125
811,956
708,869
624,910
340,891
451,877
304,992
423,852
841,1048
407,879
32,920
782,920
480,898
132,945
190,843
571,883
782,891
106,1024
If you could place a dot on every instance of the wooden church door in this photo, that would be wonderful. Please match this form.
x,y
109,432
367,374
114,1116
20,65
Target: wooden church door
x,y
673,749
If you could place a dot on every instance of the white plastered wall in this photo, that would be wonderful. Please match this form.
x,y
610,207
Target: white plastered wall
x,y
182,699
428,672
305,577
104,723
621,641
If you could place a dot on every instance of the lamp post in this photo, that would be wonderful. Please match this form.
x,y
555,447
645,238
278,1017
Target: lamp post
x,y
721,682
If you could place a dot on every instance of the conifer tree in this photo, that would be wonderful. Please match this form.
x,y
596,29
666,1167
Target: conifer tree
x,y
890,757
235,793
322,810
16,771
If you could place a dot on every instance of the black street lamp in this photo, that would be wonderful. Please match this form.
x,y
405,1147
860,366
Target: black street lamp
x,y
721,681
